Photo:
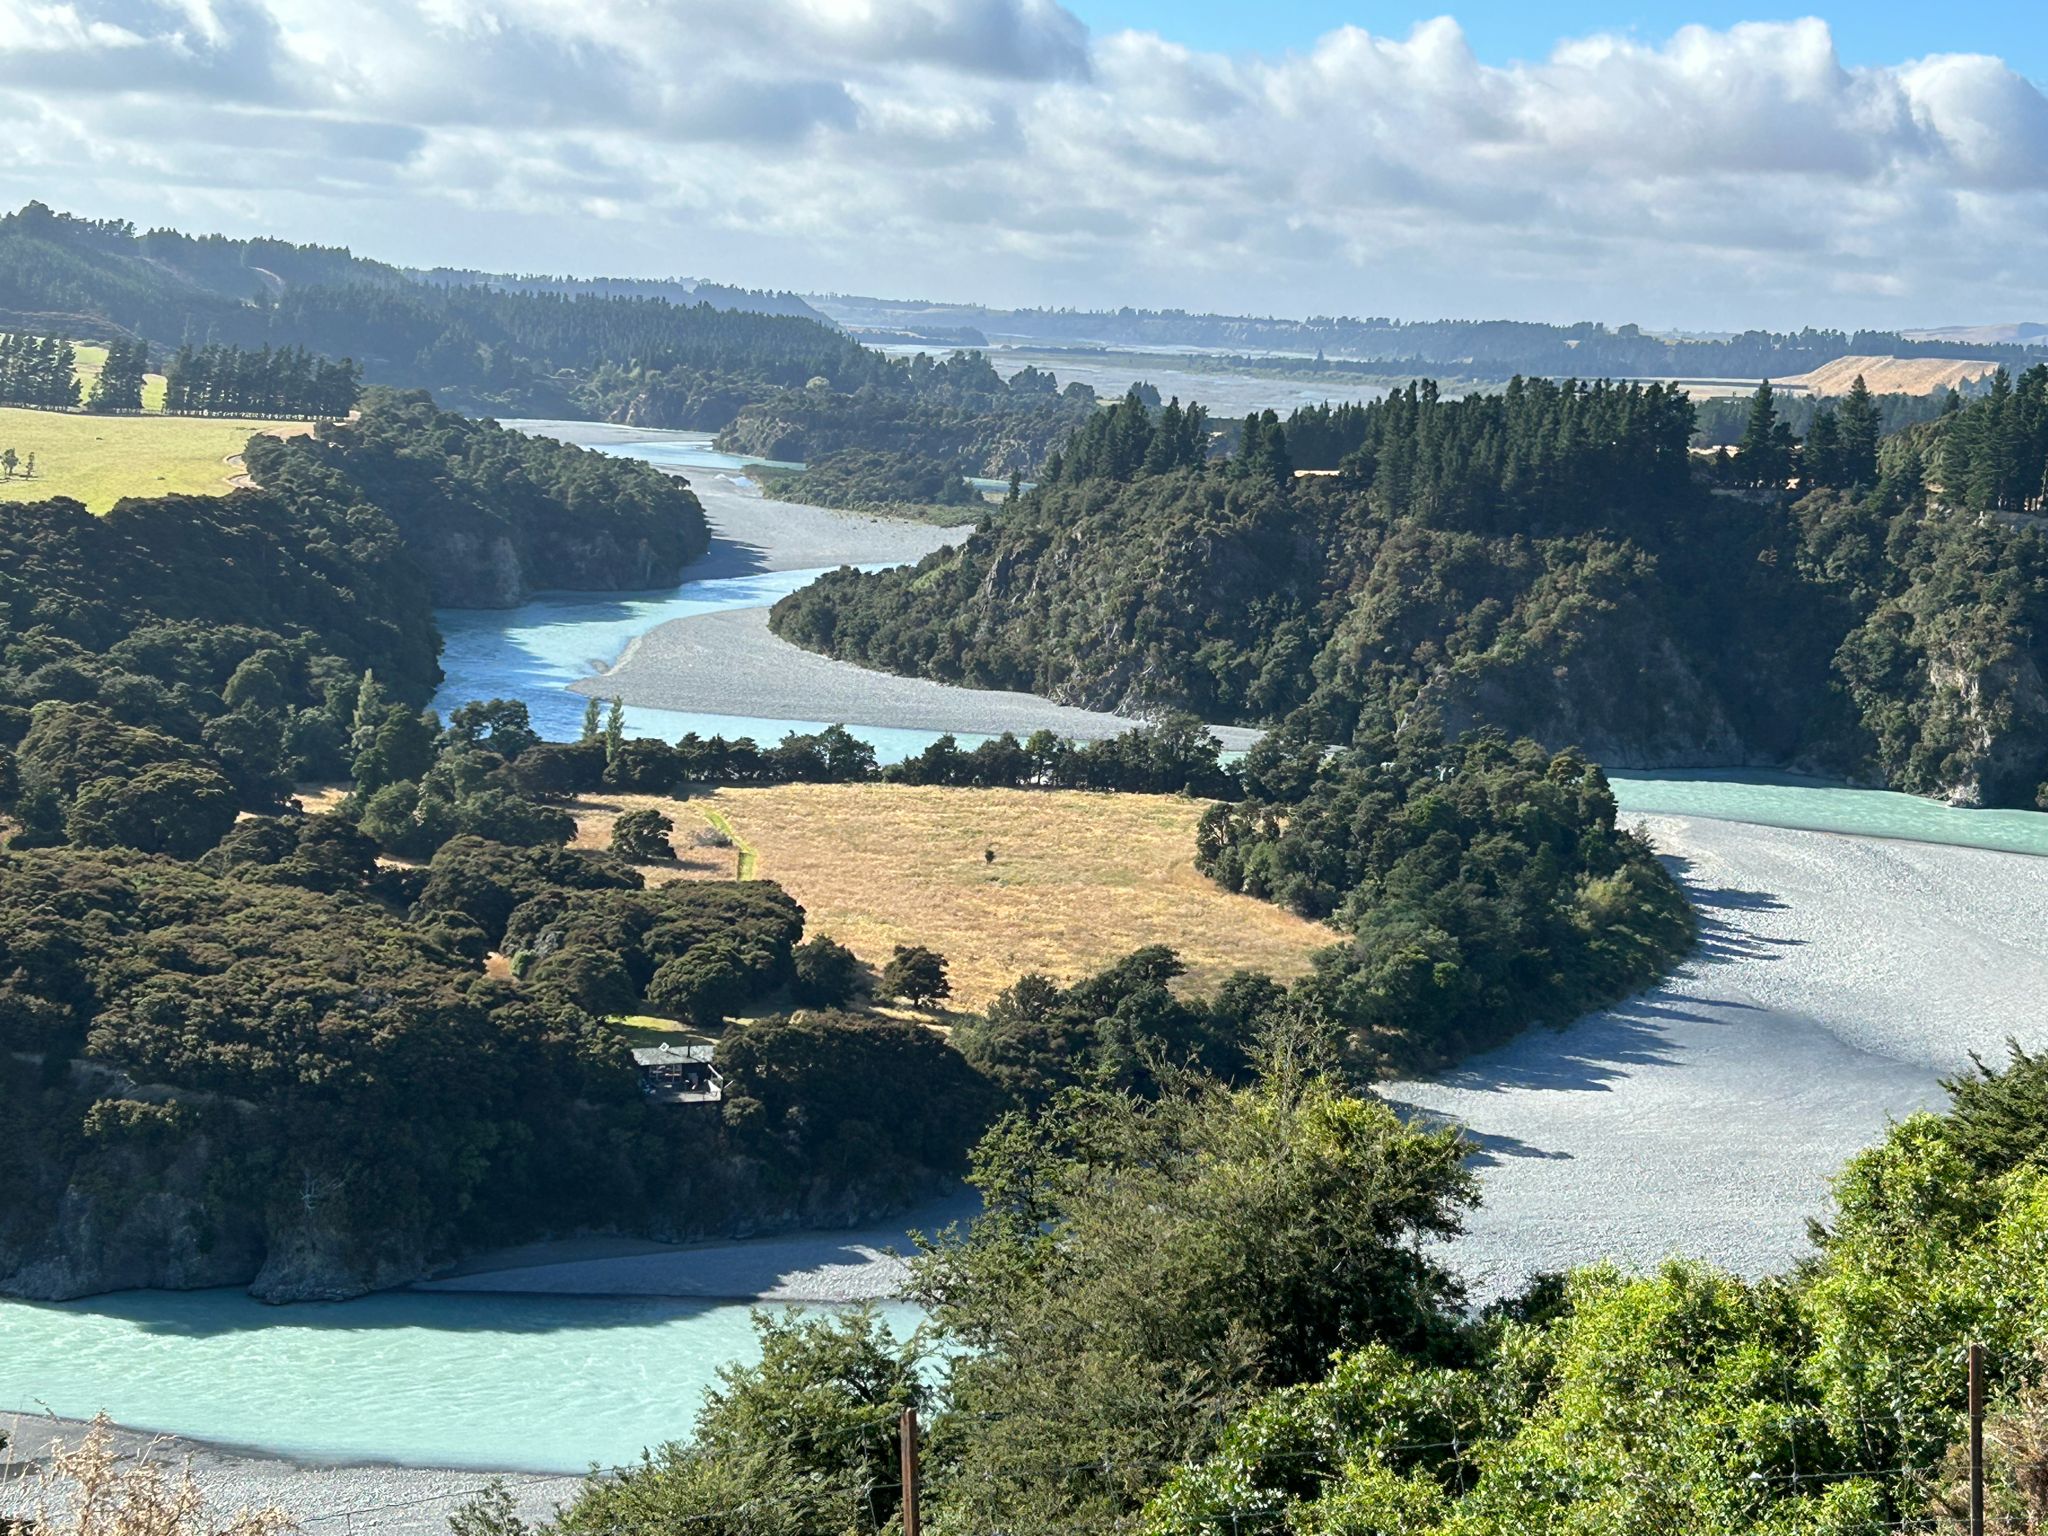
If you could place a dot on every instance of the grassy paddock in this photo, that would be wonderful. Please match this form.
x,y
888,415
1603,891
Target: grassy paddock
x,y
100,459
1078,880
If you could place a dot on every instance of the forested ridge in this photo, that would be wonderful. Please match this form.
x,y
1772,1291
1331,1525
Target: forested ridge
x,y
493,515
955,409
516,351
1551,560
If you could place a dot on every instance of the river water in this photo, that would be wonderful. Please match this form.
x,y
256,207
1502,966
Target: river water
x,y
1807,956
535,1383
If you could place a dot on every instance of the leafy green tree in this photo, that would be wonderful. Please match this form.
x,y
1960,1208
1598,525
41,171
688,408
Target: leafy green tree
x,y
883,1102
1145,1269
917,975
176,808
643,836
706,984
502,726
827,973
400,747
802,1443
507,818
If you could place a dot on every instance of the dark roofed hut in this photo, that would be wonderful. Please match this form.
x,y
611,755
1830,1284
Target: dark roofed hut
x,y
679,1074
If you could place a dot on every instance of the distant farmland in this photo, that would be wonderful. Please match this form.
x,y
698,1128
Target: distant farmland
x,y
100,459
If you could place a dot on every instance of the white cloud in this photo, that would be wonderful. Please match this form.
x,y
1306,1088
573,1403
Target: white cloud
x,y
992,148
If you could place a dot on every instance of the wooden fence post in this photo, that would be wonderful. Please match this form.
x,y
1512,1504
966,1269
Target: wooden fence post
x,y
910,1489
1976,1440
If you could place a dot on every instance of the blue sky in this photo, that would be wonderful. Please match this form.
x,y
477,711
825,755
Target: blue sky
x,y
1866,32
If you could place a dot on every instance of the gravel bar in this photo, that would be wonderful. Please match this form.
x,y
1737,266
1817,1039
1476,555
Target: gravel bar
x,y
1837,979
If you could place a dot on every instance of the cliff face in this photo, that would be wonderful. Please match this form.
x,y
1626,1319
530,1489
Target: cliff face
x,y
494,569
130,1226
167,1217
1997,718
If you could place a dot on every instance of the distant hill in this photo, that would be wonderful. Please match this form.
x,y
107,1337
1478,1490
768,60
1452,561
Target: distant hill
x,y
1485,349
2022,333
511,346
676,290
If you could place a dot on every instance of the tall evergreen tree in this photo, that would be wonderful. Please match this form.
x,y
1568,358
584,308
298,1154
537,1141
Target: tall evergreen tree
x,y
1762,453
1860,428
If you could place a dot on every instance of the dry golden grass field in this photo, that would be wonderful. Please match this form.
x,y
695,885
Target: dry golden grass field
x,y
1078,881
1891,375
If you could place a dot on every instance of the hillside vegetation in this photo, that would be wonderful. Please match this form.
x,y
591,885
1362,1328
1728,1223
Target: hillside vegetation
x,y
956,411
1214,1309
479,344
877,480
1551,561
493,515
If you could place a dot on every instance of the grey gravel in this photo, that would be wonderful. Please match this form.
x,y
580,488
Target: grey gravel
x,y
1837,979
730,664
861,1264
750,533
336,1499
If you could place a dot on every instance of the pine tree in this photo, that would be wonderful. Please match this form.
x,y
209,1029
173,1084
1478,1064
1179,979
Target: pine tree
x,y
1861,425
1761,453
1820,457
592,714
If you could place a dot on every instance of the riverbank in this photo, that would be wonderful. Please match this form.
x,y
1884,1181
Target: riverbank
x,y
358,1499
819,1268
729,664
1837,980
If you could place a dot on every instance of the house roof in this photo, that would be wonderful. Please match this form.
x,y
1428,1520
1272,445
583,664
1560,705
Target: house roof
x,y
673,1055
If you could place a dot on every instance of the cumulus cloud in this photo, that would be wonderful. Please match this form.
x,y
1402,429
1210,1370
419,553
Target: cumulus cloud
x,y
994,149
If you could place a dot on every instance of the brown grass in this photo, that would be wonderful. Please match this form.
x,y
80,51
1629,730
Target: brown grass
x,y
1079,880
1890,375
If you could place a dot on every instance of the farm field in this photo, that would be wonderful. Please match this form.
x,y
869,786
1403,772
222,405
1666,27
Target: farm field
x,y
100,459
1078,880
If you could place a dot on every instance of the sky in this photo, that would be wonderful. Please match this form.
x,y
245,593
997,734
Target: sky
x,y
1707,166
1872,33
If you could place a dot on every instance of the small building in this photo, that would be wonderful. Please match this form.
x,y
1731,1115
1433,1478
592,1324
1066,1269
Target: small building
x,y
679,1074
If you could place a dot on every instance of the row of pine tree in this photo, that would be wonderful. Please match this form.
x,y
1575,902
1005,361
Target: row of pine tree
x,y
38,370
234,381
42,371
